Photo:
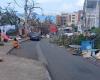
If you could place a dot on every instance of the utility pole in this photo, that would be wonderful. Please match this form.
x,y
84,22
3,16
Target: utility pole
x,y
26,16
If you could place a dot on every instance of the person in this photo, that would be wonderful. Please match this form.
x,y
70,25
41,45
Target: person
x,y
15,43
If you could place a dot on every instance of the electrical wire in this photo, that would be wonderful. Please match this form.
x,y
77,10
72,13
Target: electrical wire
x,y
17,4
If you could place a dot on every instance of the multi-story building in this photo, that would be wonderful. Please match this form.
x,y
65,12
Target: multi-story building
x,y
64,19
91,14
61,20
58,20
69,19
74,18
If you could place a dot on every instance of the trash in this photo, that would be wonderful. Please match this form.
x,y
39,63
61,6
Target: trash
x,y
87,48
1,60
97,56
86,53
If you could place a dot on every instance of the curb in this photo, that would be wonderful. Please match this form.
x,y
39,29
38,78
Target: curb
x,y
42,59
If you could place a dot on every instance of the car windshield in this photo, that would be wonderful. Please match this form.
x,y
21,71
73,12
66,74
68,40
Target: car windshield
x,y
49,39
67,31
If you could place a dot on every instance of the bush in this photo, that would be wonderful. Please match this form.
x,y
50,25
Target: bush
x,y
63,41
95,30
77,39
97,41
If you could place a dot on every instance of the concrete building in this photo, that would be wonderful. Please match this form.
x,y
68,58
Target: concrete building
x,y
73,18
64,19
58,20
69,19
91,14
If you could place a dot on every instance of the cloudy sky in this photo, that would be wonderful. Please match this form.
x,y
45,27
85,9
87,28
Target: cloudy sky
x,y
49,6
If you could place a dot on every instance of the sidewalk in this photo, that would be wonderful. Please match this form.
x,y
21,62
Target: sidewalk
x,y
15,68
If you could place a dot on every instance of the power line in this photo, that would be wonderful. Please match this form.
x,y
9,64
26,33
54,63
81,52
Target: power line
x,y
17,4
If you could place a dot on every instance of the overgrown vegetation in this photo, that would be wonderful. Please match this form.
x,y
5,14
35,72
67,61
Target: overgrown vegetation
x,y
76,40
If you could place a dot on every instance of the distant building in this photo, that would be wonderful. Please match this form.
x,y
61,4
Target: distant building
x,y
64,19
69,19
58,20
74,18
91,14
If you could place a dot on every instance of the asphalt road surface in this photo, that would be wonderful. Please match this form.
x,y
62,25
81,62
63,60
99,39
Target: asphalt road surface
x,y
61,64
64,66
27,50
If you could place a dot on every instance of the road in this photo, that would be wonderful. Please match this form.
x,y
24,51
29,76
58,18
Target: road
x,y
64,66
27,50
61,64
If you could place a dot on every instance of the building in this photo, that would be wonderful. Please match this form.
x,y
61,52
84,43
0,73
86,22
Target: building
x,y
69,19
64,19
91,14
73,19
80,16
58,20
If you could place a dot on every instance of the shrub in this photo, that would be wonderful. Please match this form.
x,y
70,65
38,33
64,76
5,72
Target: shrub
x,y
77,39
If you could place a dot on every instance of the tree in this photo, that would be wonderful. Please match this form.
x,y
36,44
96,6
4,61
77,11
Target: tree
x,y
74,27
29,9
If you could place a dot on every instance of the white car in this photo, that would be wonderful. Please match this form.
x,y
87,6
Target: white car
x,y
68,34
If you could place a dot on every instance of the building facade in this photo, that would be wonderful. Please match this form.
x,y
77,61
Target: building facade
x,y
73,19
58,20
69,19
91,15
64,19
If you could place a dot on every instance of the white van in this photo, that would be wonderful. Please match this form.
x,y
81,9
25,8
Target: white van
x,y
68,31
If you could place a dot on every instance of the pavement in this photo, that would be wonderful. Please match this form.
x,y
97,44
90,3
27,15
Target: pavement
x,y
18,68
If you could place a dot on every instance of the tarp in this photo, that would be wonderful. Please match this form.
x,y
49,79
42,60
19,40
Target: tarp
x,y
53,28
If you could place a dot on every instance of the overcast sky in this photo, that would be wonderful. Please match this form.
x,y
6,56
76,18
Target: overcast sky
x,y
49,6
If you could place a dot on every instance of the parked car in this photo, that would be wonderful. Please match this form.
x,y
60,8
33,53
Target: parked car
x,y
35,36
68,31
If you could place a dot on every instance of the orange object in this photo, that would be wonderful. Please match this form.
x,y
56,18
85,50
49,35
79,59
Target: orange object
x,y
15,44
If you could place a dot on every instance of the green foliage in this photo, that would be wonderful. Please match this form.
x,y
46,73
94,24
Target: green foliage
x,y
66,41
77,39
97,44
97,41
8,18
63,41
95,30
92,28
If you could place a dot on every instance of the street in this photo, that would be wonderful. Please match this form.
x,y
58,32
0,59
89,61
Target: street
x,y
62,27
27,50
61,64
64,66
